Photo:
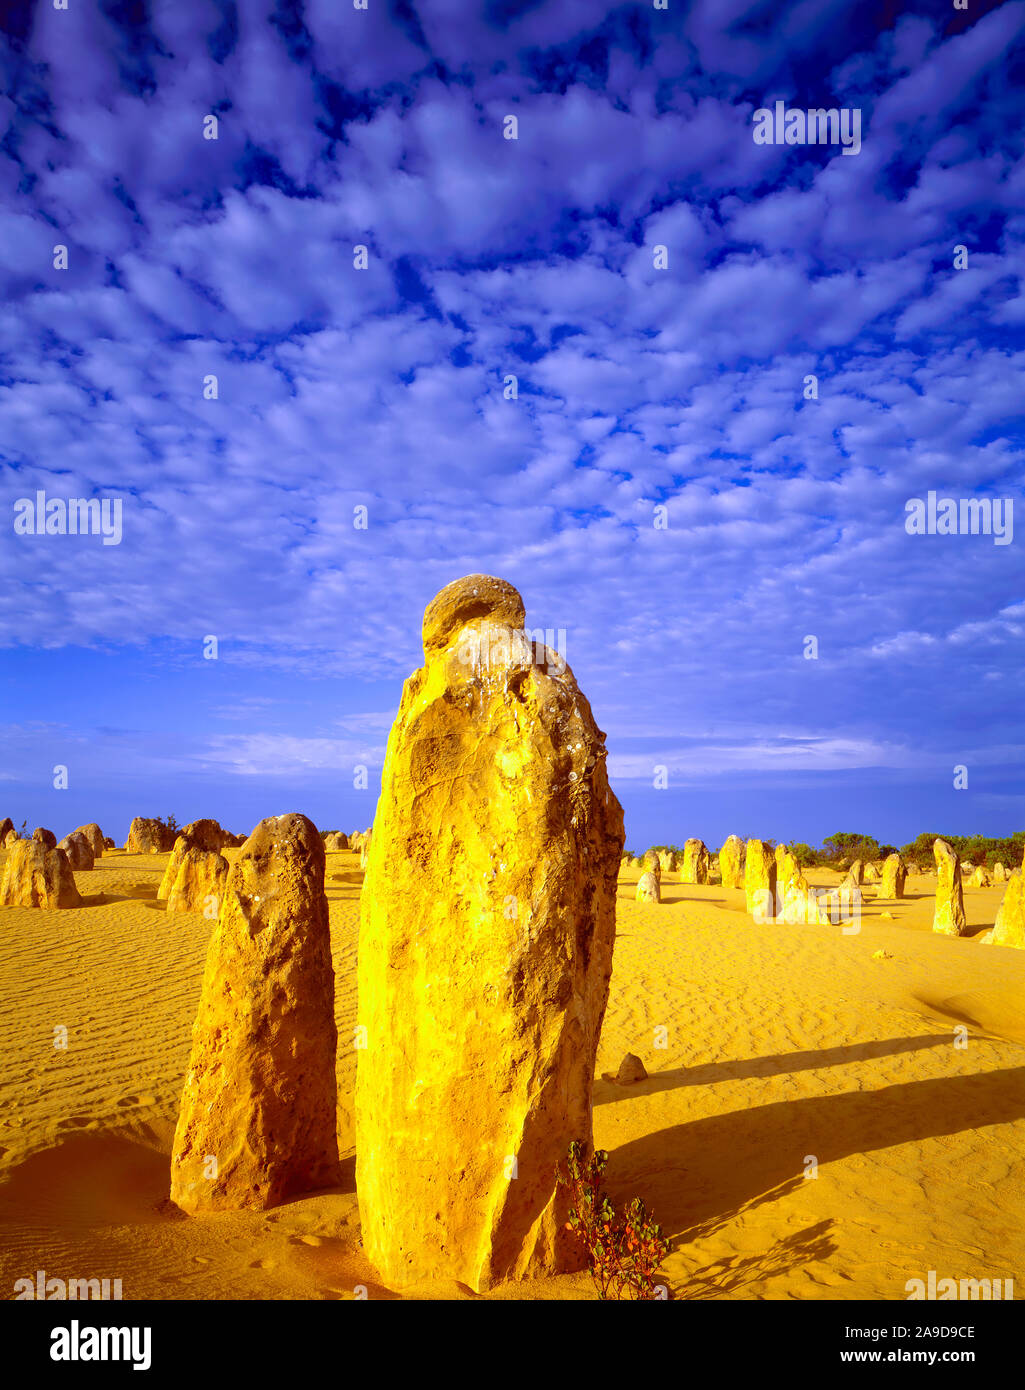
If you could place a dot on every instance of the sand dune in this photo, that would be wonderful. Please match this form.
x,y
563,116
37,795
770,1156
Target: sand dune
x,y
781,1042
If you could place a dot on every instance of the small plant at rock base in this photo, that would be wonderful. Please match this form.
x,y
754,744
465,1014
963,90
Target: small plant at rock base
x,y
624,1249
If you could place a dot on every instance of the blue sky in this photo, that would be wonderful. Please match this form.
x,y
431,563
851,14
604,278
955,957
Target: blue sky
x,y
638,387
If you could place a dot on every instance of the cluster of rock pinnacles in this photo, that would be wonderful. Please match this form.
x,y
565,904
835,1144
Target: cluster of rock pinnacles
x,y
487,923
776,890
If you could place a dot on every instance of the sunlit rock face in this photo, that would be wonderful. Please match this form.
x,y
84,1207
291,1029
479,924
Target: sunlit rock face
x,y
649,889
37,876
799,907
486,937
731,862
652,864
895,874
788,870
149,836
260,1095
948,917
696,863
196,872
855,874
1009,927
760,880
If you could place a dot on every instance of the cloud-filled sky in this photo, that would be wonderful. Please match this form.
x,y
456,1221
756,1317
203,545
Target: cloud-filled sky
x,y
662,489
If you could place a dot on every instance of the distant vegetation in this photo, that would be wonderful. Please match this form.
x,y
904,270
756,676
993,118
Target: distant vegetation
x,y
839,851
844,847
973,849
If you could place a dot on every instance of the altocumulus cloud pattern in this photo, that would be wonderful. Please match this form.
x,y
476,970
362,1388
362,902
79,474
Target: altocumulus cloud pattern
x,y
518,281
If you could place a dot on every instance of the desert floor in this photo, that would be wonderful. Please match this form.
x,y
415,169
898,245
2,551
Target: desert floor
x,y
782,1044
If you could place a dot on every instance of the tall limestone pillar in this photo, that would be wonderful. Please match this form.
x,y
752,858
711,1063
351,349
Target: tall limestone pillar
x,y
895,873
760,881
731,862
486,934
258,1121
948,917
696,862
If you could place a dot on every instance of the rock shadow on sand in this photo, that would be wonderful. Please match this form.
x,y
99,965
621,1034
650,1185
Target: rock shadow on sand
x,y
733,1274
697,1176
87,1180
781,1065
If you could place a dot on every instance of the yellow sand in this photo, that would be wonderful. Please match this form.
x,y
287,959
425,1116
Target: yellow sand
x,y
782,1044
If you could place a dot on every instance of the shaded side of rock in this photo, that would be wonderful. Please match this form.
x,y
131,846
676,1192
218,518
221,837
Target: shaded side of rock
x,y
78,850
260,1094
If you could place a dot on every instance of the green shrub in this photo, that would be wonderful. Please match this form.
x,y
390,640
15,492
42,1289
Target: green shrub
x,y
624,1249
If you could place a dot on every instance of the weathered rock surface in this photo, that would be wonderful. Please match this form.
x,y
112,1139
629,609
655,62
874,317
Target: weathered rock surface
x,y
667,861
6,826
45,837
871,876
731,862
788,871
895,873
485,950
94,835
797,908
649,890
980,877
855,876
260,1091
37,876
760,881
1009,927
631,1070
196,874
999,873
78,850
697,864
335,842
206,835
652,864
11,838
149,836
948,918
364,849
